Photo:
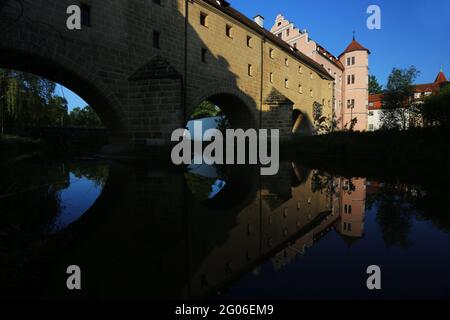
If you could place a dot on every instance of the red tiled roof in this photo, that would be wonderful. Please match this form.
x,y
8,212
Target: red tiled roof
x,y
427,87
440,78
354,46
375,97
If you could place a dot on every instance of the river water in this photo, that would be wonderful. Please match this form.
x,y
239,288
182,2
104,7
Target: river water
x,y
145,231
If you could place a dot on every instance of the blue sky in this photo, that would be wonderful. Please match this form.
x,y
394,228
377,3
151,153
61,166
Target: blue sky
x,y
413,32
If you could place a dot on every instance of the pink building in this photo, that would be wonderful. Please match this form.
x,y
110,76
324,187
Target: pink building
x,y
350,71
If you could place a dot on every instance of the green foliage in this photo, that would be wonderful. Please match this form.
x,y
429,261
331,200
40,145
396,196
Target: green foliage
x,y
397,98
200,186
436,108
205,110
374,86
29,100
84,117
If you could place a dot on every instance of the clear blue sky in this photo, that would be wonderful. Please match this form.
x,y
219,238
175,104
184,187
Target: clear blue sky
x,y
413,32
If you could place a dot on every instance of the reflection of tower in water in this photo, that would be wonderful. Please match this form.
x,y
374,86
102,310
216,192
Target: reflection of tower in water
x,y
349,203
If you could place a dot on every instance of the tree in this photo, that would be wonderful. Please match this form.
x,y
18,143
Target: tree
x,y
84,117
206,109
374,86
435,110
397,98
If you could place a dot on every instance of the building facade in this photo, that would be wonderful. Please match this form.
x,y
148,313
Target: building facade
x,y
350,71
421,91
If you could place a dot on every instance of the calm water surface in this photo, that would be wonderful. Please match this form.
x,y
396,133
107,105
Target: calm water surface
x,y
140,231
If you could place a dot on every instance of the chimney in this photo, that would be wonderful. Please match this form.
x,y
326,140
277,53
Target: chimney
x,y
259,19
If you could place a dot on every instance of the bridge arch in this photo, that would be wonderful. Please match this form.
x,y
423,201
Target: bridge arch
x,y
77,77
301,124
239,108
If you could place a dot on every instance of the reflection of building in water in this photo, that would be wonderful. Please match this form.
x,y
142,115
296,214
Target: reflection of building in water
x,y
291,212
288,207
349,202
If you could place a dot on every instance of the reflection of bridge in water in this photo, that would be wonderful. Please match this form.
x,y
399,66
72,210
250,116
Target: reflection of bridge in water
x,y
150,238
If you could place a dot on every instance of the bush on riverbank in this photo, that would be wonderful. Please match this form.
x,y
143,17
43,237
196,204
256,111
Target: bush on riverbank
x,y
424,150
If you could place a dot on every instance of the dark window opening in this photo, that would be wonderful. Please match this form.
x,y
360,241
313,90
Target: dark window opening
x,y
204,53
203,19
249,41
85,15
156,39
157,2
228,31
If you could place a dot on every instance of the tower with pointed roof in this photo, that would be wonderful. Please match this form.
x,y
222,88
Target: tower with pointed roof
x,y
355,59
441,78
350,100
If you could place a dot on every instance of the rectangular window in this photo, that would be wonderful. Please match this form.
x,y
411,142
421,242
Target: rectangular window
x,y
350,104
349,79
348,61
85,14
204,54
353,60
250,70
345,208
271,53
271,77
288,32
249,41
203,19
156,39
353,79
350,209
229,31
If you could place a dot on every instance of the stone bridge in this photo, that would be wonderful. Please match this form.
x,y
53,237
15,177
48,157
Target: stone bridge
x,y
145,65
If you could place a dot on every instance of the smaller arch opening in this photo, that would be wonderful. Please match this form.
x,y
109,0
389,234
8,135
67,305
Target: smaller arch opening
x,y
300,123
216,182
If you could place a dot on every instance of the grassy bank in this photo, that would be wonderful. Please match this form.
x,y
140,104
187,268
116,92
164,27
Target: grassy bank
x,y
422,153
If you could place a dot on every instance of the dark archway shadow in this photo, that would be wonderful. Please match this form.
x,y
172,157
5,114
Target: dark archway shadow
x,y
301,124
87,90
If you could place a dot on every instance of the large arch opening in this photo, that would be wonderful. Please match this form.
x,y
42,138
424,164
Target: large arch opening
x,y
88,89
43,190
221,186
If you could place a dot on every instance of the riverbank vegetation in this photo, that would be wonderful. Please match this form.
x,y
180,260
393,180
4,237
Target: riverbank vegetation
x,y
28,100
389,153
